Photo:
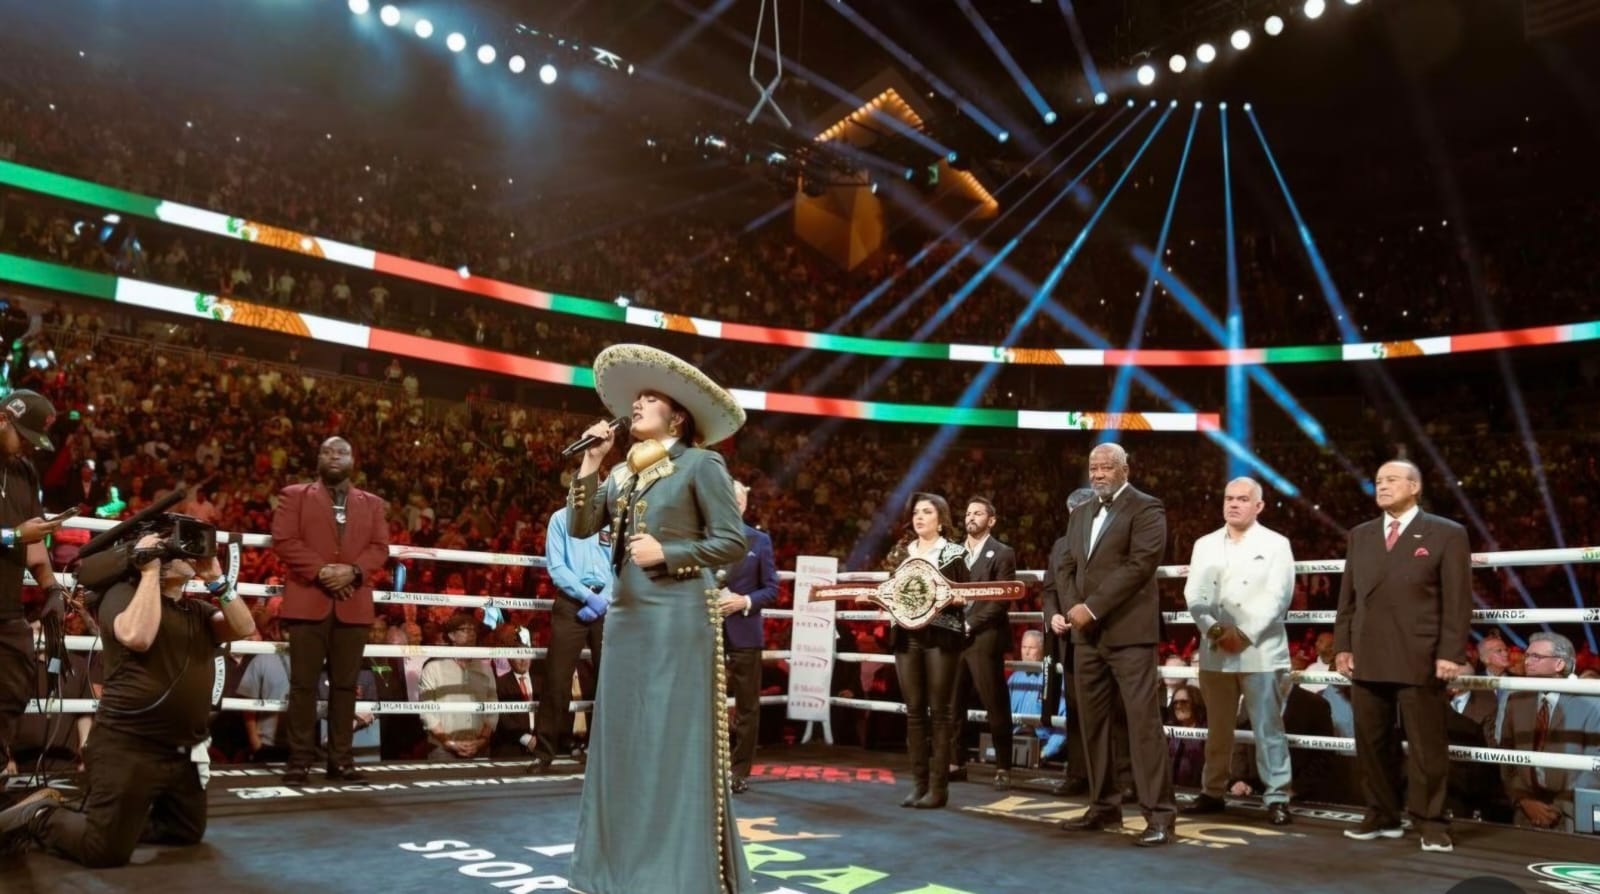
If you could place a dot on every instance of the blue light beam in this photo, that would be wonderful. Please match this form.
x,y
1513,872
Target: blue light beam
x,y
1122,386
913,63
1238,390
1096,86
1006,60
1330,292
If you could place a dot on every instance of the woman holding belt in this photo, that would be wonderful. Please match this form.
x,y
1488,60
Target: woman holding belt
x,y
926,659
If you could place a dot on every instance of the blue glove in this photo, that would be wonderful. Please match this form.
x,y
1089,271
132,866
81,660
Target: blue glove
x,y
594,608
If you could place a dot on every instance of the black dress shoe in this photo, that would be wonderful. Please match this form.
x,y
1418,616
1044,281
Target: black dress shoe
x,y
1092,822
1002,780
539,765
1278,814
1154,836
1065,788
296,775
917,794
740,785
1205,804
346,774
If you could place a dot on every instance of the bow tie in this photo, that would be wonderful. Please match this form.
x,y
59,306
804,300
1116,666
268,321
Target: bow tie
x,y
1107,501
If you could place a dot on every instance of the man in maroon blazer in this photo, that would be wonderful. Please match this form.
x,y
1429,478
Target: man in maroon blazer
x,y
334,539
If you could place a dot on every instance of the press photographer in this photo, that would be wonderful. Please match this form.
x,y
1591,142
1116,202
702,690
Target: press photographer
x,y
160,650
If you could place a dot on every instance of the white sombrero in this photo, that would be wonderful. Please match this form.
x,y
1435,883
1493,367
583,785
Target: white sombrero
x,y
622,371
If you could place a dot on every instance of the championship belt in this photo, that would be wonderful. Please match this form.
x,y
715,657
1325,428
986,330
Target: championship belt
x,y
916,591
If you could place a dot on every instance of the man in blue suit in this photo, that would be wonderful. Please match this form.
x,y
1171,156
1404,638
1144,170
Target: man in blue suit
x,y
750,586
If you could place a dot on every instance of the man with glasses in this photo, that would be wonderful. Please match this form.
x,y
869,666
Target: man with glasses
x,y
457,735
1551,723
1405,605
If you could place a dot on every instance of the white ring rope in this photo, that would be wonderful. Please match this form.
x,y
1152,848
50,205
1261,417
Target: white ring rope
x,y
271,705
1578,762
1516,558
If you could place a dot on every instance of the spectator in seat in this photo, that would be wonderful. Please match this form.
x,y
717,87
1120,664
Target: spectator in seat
x,y
1551,723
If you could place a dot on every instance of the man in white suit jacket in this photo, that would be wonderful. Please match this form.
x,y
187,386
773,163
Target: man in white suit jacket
x,y
1241,578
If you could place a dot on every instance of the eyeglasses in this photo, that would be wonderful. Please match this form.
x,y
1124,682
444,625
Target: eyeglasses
x,y
1529,656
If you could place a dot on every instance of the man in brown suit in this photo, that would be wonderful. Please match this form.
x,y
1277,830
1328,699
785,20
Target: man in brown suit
x,y
1405,605
334,539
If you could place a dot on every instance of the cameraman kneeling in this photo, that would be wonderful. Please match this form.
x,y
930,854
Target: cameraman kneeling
x,y
160,651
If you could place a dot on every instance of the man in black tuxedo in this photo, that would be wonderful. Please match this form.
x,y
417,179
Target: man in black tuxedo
x,y
983,661
1106,579
1063,684
1405,605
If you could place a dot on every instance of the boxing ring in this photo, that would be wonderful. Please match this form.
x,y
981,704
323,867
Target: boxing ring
x,y
818,817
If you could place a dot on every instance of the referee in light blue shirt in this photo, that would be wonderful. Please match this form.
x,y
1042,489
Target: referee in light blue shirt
x,y
580,567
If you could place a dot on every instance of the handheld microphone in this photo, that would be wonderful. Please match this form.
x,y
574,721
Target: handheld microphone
x,y
587,441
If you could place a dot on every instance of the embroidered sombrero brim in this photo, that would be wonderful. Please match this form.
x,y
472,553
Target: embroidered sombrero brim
x,y
622,371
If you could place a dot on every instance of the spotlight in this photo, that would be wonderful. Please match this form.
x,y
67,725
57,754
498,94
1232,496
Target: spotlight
x,y
1274,26
517,64
360,7
1223,106
1173,104
1315,8
1049,117
486,54
1205,53
1247,107
456,41
547,73
1351,2
464,272
1178,63
1240,39
1146,75
1003,135
1101,98
389,15
424,29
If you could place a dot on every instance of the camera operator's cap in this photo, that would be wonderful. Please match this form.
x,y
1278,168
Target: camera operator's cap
x,y
29,413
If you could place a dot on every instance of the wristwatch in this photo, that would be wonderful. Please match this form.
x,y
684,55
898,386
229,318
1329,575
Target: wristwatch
x,y
1216,632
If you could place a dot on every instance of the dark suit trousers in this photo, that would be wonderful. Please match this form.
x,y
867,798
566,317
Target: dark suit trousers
x,y
1103,674
311,645
1378,759
744,683
568,637
138,792
1065,684
983,670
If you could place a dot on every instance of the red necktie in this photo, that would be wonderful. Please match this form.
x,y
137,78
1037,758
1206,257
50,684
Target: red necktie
x,y
1541,731
1394,534
522,683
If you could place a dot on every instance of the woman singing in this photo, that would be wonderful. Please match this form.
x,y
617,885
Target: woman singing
x,y
655,814
926,659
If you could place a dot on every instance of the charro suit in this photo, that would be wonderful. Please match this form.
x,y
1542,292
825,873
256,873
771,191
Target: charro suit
x,y
1115,579
983,662
306,536
1574,728
1400,610
655,805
